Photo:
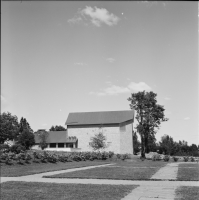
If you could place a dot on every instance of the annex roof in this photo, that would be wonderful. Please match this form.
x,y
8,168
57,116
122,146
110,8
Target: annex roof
x,y
99,118
57,137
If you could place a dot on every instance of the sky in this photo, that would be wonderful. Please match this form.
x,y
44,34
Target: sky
x,y
59,57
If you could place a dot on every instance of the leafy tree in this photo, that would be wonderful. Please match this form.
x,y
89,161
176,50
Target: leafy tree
x,y
9,127
152,146
26,139
98,142
24,125
57,128
149,115
167,145
43,136
136,144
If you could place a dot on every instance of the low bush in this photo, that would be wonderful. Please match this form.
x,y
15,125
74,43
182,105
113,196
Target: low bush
x,y
166,158
192,159
186,158
4,148
17,148
156,157
175,159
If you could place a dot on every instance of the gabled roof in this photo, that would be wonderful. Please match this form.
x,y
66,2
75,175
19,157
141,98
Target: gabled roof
x,y
57,137
99,118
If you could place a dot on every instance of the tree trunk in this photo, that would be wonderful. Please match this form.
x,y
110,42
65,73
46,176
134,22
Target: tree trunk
x,y
146,143
143,149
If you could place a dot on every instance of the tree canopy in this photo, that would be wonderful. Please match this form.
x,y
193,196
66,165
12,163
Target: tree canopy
x,y
149,116
26,139
24,125
57,128
9,127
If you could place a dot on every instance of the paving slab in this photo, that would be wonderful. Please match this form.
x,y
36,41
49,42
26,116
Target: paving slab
x,y
169,171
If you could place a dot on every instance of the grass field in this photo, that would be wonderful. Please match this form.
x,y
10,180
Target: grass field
x,y
187,193
121,171
35,168
188,172
52,191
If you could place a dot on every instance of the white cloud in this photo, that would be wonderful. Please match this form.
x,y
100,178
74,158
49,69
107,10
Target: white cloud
x,y
80,64
75,20
187,118
44,124
111,60
136,87
97,16
167,98
115,90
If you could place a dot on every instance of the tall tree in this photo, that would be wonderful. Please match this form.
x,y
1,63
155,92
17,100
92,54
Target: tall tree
x,y
57,128
9,127
26,136
149,115
24,125
167,145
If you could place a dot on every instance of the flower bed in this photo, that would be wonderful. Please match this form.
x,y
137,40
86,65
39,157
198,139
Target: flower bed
x,y
11,158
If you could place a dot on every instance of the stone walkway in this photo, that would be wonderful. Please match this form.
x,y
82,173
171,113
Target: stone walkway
x,y
147,190
165,189
169,172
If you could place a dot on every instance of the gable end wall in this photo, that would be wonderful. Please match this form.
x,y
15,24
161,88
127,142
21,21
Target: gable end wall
x,y
84,135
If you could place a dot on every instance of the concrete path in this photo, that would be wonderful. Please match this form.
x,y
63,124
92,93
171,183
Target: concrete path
x,y
40,175
165,189
169,172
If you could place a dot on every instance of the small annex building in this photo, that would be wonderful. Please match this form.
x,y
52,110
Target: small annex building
x,y
116,126
57,141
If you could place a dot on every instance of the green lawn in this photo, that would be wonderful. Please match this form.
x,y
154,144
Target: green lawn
x,y
188,172
120,171
189,165
51,191
139,163
34,168
187,193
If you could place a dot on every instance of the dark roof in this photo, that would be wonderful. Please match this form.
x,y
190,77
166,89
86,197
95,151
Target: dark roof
x,y
104,117
57,137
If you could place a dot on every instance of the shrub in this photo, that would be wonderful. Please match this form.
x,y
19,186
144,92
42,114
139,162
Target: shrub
x,y
175,159
19,159
166,158
17,148
52,158
192,159
8,161
118,156
4,148
27,158
186,158
110,154
156,157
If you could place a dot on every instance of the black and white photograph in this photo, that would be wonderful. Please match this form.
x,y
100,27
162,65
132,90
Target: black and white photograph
x,y
99,100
